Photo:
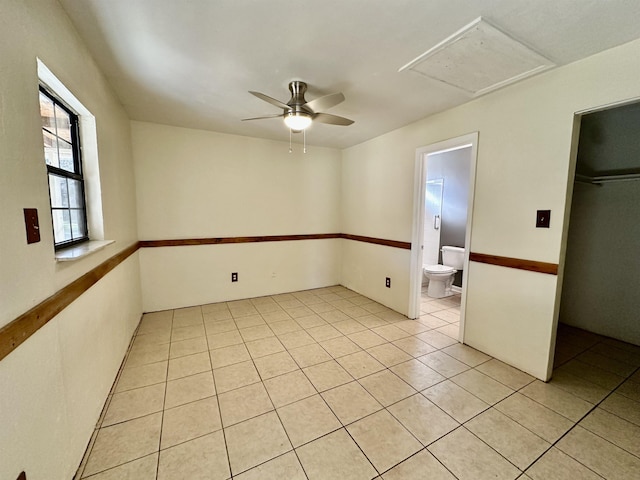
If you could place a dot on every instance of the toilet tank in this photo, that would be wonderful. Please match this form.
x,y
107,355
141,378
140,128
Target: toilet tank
x,y
453,257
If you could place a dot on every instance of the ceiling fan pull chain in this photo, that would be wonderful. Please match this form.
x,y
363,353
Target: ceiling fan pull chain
x,y
290,149
304,141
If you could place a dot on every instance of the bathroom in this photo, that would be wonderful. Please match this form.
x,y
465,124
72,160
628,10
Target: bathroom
x,y
445,222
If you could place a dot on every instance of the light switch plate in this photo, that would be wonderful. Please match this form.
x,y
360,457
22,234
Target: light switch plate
x,y
31,225
543,218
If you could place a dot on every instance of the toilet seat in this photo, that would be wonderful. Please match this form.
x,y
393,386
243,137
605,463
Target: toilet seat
x,y
438,269
440,280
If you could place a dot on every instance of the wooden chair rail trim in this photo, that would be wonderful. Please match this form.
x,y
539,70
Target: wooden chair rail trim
x,y
518,263
19,330
15,333
182,242
378,241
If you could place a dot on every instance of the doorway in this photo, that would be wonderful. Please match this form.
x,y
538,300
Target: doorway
x,y
428,198
599,271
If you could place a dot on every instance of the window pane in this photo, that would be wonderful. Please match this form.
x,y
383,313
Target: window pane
x,y
77,224
63,122
62,156
66,156
46,112
75,193
58,191
50,149
61,225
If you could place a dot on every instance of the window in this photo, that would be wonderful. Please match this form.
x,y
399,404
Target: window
x,y
64,170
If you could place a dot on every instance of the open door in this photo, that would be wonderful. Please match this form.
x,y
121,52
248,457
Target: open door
x,y
427,218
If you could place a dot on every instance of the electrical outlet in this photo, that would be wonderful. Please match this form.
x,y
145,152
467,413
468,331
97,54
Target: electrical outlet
x,y
234,277
387,282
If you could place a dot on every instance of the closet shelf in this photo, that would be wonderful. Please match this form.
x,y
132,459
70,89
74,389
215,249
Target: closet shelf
x,y
602,179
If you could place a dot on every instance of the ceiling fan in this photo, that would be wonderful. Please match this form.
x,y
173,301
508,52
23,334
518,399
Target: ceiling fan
x,y
298,114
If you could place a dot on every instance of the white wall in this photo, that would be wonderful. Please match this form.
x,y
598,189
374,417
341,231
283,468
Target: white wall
x,y
199,184
195,275
53,386
365,267
523,164
602,270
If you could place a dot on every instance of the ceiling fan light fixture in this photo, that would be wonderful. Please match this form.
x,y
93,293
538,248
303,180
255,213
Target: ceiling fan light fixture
x,y
297,121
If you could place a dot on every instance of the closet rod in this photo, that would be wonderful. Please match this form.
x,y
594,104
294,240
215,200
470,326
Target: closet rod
x,y
602,179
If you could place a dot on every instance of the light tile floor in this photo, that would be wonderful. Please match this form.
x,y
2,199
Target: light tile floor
x,y
326,384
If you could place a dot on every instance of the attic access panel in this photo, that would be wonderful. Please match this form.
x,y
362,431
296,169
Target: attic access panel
x,y
479,58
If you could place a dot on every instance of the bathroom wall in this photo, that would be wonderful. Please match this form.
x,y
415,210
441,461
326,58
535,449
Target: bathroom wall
x,y
454,167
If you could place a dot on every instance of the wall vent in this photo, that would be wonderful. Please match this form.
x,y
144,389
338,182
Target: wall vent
x,y
479,58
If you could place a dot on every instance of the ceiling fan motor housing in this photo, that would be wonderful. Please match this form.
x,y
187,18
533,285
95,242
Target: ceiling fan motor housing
x,y
297,89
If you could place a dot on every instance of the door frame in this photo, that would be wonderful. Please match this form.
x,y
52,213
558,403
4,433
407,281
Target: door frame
x,y
564,241
420,178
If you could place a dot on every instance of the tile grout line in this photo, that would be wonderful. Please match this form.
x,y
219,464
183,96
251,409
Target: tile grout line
x,y
217,395
275,410
595,406
598,405
164,400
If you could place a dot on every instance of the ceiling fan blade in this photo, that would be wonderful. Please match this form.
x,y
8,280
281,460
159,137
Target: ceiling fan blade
x,y
261,118
324,103
270,100
331,119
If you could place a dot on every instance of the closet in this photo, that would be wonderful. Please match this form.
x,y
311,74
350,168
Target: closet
x,y
601,285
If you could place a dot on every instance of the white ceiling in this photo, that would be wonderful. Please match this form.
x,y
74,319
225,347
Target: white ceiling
x,y
191,63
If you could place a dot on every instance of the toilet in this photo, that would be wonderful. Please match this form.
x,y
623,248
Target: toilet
x,y
441,276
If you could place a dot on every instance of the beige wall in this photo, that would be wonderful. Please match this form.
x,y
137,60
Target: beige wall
x,y
53,386
523,165
198,184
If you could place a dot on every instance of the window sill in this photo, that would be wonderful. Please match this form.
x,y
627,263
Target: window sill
x,y
79,251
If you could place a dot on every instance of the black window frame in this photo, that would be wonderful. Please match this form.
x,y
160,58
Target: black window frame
x,y
60,172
